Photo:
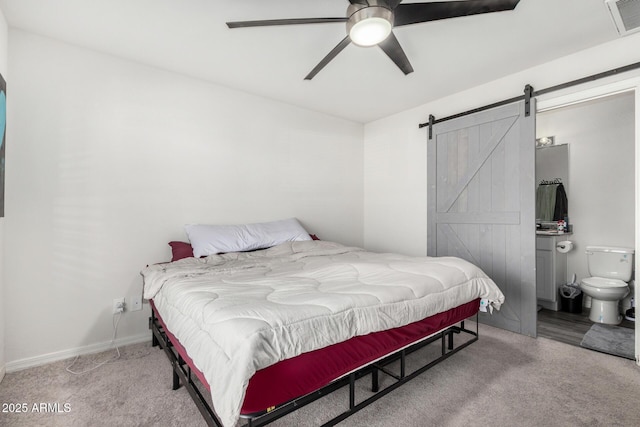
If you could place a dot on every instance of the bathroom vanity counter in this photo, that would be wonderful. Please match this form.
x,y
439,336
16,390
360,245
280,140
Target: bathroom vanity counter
x,y
552,233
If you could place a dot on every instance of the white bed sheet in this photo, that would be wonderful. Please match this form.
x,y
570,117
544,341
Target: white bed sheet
x,y
240,312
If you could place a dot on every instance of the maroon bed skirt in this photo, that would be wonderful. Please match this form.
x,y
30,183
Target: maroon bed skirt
x,y
308,372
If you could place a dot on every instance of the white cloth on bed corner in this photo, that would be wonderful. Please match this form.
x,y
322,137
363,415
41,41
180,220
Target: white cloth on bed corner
x,y
240,312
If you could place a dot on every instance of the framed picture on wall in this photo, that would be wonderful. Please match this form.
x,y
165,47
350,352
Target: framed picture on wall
x,y
3,134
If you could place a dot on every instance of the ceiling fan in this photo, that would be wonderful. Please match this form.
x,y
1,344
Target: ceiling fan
x,y
370,23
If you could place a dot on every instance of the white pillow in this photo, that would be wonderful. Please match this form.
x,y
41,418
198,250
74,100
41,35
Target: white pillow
x,y
215,239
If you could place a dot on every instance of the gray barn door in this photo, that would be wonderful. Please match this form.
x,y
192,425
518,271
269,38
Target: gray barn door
x,y
481,204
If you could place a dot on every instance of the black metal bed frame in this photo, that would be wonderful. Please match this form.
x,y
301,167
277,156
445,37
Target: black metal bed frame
x,y
182,375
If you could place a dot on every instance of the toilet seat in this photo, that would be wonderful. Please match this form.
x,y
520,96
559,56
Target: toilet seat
x,y
601,282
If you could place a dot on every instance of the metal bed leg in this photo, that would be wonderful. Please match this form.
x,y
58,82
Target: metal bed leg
x,y
176,381
176,377
154,340
375,383
352,390
450,346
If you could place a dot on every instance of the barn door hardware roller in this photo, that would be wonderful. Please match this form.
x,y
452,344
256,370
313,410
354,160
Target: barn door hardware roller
x,y
528,93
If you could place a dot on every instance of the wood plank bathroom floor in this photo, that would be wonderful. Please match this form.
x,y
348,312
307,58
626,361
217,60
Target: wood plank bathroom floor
x,y
566,327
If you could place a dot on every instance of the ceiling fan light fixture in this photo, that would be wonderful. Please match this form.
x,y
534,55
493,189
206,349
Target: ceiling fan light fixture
x,y
370,25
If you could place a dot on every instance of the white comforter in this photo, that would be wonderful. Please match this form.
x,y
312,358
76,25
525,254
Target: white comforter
x,y
240,312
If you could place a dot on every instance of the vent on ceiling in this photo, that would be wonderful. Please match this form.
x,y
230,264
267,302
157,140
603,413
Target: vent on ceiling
x,y
625,14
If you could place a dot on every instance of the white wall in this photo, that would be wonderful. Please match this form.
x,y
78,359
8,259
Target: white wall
x,y
395,181
109,159
4,36
601,138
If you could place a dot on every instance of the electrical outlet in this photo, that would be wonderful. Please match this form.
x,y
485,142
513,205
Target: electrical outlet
x,y
118,305
135,303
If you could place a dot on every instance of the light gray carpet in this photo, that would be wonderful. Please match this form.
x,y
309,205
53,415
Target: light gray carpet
x,y
504,379
610,339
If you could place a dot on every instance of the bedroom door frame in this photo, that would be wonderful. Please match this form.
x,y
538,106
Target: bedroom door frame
x,y
601,89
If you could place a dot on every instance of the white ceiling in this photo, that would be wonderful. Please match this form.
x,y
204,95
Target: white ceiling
x,y
361,84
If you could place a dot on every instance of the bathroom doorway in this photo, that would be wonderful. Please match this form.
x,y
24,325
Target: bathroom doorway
x,y
599,176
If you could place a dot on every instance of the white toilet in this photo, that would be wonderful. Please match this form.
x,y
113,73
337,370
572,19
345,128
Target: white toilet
x,y
610,269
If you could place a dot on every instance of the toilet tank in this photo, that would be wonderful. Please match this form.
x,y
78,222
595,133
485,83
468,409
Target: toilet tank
x,y
610,262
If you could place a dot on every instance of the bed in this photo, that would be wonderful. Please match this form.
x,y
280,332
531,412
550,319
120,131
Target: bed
x,y
307,316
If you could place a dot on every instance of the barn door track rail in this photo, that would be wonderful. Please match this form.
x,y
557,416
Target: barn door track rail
x,y
528,94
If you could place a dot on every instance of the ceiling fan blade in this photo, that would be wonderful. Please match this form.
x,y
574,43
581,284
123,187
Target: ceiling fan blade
x,y
392,48
362,2
271,22
413,13
334,52
393,3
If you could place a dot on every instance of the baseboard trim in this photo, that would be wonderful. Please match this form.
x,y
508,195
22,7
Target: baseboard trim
x,y
3,370
30,362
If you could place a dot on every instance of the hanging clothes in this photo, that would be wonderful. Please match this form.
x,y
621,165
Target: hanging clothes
x,y
551,201
545,202
561,205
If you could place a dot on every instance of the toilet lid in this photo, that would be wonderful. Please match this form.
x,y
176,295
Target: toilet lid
x,y
601,282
